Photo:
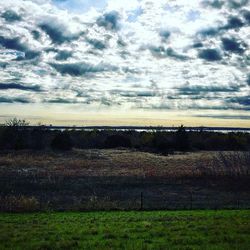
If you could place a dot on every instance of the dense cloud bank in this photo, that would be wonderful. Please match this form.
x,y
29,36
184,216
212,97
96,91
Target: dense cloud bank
x,y
140,55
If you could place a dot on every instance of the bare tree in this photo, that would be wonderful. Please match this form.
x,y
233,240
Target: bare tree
x,y
15,122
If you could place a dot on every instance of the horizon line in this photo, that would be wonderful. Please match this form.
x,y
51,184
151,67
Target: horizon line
x,y
159,127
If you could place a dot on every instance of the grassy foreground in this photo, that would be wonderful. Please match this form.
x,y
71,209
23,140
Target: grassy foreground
x,y
126,230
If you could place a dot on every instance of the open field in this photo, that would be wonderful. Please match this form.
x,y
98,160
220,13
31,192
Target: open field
x,y
115,179
103,162
127,230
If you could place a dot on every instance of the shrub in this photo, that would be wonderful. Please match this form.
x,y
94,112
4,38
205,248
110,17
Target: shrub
x,y
19,204
232,164
62,141
146,139
8,138
13,135
236,142
182,142
38,139
12,138
115,141
162,143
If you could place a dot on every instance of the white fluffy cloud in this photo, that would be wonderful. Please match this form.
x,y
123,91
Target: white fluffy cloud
x,y
137,55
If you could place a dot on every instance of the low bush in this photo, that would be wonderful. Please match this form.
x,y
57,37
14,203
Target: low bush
x,y
233,164
19,204
115,141
20,137
62,141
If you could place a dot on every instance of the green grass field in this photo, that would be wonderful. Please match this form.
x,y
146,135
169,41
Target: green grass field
x,y
126,230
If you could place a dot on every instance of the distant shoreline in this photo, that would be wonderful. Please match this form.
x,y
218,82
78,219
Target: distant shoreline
x,y
142,128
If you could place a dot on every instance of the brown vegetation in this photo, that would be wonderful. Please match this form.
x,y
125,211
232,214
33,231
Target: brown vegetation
x,y
115,179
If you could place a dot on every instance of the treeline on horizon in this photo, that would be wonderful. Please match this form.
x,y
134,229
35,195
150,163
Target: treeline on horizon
x,y
16,135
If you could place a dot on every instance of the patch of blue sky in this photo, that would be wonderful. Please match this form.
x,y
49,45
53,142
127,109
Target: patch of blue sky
x,y
171,8
133,15
80,5
193,15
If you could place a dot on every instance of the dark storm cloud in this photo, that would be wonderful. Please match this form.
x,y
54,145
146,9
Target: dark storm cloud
x,y
86,100
213,3
146,93
16,44
233,22
197,45
231,4
172,53
213,107
109,20
61,101
105,101
131,93
232,45
11,16
5,86
97,44
51,49
210,32
29,55
242,100
81,69
195,106
131,70
83,93
248,79
193,97
225,105
63,55
246,15
210,55
238,117
14,100
161,52
13,43
200,92
121,43
236,4
57,33
164,34
161,106
36,34
3,65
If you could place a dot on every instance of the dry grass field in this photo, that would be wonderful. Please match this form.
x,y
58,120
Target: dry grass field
x,y
117,179
104,162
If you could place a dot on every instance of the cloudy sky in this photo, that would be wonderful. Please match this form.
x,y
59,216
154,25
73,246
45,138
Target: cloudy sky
x,y
139,62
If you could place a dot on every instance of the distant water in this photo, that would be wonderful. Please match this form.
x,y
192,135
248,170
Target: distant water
x,y
151,129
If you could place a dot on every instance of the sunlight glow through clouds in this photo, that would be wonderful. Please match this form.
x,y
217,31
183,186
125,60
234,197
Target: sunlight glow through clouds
x,y
140,56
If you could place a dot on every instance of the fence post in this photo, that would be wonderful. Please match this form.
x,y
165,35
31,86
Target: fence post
x,y
141,204
191,200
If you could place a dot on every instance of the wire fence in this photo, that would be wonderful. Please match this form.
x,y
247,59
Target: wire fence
x,y
137,201
195,201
